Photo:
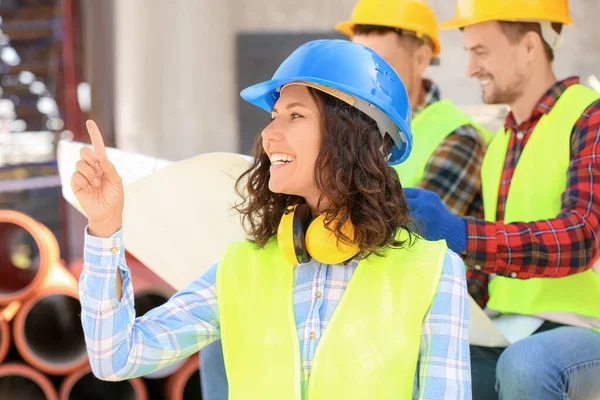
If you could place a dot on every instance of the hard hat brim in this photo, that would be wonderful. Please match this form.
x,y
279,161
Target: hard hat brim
x,y
346,28
265,94
457,23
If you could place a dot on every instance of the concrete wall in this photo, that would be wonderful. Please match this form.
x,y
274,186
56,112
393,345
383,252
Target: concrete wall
x,y
175,78
579,55
175,73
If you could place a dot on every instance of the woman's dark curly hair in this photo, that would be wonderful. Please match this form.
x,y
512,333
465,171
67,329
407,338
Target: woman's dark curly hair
x,y
351,171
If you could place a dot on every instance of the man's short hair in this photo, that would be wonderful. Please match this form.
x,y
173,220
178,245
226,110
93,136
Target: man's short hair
x,y
515,31
408,39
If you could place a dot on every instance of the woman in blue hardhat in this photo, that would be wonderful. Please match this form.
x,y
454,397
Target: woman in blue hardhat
x,y
330,297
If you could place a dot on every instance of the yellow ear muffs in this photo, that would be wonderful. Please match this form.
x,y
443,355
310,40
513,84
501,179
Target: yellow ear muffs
x,y
290,233
323,245
300,239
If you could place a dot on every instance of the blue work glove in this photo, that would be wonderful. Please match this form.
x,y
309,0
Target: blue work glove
x,y
434,221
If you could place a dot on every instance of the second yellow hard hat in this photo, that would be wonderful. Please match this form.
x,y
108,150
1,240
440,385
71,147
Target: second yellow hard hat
x,y
410,15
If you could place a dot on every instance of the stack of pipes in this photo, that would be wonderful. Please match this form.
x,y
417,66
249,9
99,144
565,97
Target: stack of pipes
x,y
42,348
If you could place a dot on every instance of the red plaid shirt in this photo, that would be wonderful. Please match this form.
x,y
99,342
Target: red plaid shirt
x,y
552,248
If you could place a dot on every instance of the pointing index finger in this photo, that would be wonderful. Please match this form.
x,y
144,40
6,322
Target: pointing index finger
x,y
96,137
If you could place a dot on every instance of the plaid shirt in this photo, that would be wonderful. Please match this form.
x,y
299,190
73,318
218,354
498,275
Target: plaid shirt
x,y
453,170
552,248
121,347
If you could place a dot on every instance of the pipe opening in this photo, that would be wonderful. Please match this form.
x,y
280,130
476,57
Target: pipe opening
x,y
20,387
89,387
156,389
147,301
192,391
53,330
19,258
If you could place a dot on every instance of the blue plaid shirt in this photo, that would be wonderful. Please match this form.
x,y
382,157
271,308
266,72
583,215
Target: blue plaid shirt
x,y
121,346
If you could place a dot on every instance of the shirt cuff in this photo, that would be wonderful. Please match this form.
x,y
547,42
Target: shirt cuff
x,y
103,252
482,245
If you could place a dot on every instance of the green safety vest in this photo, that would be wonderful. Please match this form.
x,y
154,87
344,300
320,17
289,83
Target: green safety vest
x,y
430,127
535,193
370,347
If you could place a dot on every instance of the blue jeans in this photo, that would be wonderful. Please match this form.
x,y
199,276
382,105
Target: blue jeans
x,y
212,372
556,363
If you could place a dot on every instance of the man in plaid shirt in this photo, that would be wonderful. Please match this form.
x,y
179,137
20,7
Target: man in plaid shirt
x,y
541,192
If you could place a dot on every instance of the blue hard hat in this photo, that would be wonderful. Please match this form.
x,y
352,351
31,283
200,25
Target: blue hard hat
x,y
368,81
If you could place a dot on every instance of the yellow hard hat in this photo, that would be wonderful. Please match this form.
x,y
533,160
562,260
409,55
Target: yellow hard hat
x,y
410,15
471,12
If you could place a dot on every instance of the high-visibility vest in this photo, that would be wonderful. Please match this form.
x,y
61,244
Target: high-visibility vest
x,y
535,193
370,347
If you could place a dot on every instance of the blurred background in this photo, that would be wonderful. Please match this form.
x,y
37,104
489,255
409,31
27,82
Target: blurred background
x,y
161,78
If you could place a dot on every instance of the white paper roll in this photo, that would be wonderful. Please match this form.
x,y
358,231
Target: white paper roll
x,y
178,218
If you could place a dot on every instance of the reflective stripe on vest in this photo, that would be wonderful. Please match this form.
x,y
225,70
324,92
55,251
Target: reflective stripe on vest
x,y
370,347
535,193
430,127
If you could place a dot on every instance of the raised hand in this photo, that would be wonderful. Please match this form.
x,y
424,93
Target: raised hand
x,y
98,187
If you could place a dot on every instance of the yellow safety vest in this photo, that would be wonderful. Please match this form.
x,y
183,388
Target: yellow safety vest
x,y
370,347
535,193
430,127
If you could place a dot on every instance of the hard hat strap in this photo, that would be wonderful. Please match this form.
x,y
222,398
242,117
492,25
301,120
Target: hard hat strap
x,y
550,36
553,38
384,123
424,38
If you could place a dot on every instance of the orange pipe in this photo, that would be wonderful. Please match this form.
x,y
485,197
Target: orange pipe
x,y
82,384
27,250
6,316
75,268
9,312
185,380
4,338
47,329
19,381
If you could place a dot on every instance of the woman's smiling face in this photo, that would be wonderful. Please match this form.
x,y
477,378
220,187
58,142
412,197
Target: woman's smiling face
x,y
292,142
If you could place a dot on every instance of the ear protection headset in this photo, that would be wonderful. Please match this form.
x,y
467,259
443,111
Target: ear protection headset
x,y
300,238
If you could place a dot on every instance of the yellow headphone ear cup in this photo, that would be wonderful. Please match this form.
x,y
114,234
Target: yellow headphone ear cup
x,y
291,232
324,247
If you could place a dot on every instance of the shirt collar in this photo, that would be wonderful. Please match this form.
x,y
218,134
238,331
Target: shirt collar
x,y
544,106
432,95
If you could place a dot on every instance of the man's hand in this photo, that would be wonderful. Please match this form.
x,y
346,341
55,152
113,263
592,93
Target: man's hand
x,y
434,221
